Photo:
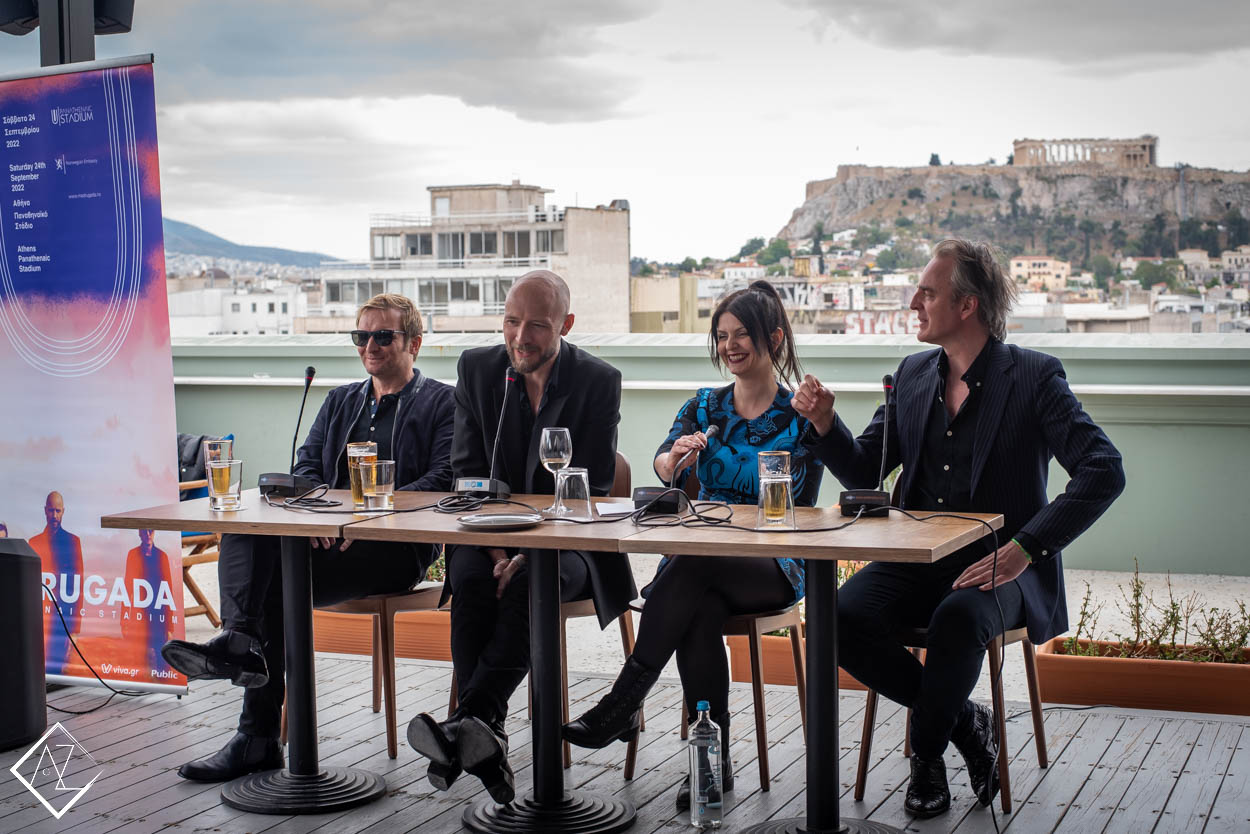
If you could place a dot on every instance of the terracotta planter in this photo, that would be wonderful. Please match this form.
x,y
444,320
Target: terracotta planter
x,y
1144,683
777,658
420,634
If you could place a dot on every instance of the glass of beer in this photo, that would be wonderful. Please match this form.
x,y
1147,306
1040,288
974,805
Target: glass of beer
x,y
358,453
377,483
776,496
225,484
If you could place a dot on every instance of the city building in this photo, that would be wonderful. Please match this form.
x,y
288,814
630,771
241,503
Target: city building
x,y
1041,273
459,261
271,308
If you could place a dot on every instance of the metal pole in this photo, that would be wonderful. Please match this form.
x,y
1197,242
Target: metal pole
x,y
301,684
66,31
544,573
822,693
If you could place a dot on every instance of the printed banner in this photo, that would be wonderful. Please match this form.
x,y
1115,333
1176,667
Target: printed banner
x,y
88,404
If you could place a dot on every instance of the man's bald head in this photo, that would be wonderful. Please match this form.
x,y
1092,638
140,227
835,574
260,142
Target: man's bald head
x,y
54,510
549,284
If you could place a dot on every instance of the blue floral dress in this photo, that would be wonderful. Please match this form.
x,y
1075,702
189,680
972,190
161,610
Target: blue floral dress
x,y
728,470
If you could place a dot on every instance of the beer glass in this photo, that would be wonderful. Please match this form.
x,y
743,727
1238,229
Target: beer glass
x,y
573,492
358,453
555,450
377,484
776,496
225,484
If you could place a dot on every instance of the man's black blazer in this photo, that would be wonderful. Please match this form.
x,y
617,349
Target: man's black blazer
x,y
585,398
1028,415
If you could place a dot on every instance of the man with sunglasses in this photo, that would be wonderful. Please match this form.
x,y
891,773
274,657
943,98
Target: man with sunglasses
x,y
411,418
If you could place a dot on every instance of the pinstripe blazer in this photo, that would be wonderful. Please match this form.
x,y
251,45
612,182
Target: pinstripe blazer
x,y
1028,415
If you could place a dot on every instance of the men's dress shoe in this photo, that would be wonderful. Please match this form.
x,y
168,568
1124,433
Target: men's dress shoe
x,y
243,754
437,742
232,655
484,753
976,738
927,793
618,714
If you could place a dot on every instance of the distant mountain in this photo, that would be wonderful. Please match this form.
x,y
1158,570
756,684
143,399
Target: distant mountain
x,y
186,239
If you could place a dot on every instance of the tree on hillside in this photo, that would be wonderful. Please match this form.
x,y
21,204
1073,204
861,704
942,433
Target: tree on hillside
x,y
1103,270
869,236
934,159
1150,274
749,248
817,249
688,265
1236,229
773,252
1194,234
1118,236
1090,232
901,256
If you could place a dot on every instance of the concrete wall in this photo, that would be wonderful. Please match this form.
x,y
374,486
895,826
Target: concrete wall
x,y
596,268
1178,408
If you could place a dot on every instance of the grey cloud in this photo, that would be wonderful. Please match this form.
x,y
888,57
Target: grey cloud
x,y
1116,36
526,58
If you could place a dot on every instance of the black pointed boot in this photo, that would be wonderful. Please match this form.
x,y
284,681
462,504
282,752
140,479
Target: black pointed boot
x,y
617,715
726,768
976,739
927,793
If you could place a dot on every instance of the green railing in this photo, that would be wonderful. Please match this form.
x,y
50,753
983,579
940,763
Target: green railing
x,y
1178,408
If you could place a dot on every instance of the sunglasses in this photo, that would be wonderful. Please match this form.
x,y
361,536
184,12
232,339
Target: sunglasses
x,y
360,338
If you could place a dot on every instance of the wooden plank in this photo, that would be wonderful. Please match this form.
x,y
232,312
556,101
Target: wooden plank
x,y
256,517
1098,798
1190,797
1231,810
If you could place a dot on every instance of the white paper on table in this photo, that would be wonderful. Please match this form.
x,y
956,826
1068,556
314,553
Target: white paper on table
x,y
618,508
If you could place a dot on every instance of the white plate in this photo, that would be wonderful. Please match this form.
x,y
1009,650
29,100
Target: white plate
x,y
500,522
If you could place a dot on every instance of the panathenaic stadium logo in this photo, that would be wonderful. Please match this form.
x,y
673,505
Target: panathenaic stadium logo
x,y
57,770
71,115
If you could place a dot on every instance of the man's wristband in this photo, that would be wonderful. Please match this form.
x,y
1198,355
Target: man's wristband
x,y
1026,553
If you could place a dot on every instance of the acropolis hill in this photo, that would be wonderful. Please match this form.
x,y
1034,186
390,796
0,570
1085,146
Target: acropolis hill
x,y
1103,180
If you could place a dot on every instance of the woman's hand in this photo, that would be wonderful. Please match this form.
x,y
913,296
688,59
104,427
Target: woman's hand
x,y
814,402
667,465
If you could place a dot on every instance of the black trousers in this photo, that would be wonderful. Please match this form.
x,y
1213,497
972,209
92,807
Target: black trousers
x,y
687,606
249,570
490,637
883,598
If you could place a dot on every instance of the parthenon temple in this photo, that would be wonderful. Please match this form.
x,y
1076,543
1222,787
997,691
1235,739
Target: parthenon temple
x,y
1114,153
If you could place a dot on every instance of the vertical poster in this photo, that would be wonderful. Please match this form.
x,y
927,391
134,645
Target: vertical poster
x,y
87,411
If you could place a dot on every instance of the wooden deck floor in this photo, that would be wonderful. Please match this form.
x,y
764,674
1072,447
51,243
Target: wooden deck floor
x,y
1111,770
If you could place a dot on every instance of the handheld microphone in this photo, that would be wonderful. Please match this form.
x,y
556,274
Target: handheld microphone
x,y
491,488
288,484
668,504
873,502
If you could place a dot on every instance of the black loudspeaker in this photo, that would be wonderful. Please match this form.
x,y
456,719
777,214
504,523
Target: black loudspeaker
x,y
23,707
18,17
113,17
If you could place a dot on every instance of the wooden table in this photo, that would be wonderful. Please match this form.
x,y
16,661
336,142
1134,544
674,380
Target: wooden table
x,y
548,807
893,539
303,786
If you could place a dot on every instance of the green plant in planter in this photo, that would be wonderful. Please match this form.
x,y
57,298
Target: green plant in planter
x,y
438,568
845,571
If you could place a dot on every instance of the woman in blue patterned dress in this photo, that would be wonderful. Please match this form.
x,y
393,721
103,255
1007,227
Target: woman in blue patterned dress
x,y
691,597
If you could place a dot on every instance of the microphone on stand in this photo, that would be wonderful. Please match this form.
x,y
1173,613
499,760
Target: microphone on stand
x,y
658,499
287,484
873,502
490,487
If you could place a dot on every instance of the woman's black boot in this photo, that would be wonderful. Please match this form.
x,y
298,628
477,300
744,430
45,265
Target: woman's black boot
x,y
617,716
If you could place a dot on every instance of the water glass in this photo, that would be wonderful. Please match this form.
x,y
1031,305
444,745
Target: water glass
x,y
217,450
225,484
573,492
776,495
377,483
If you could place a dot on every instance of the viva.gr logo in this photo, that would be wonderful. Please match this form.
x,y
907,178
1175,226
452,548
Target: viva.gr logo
x,y
68,115
62,772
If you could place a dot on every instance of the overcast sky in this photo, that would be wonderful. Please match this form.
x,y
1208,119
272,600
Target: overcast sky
x,y
286,122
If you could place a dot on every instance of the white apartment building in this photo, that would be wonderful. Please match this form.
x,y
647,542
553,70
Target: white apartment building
x,y
238,311
458,262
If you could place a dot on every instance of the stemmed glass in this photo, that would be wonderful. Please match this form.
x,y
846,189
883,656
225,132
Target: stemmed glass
x,y
555,450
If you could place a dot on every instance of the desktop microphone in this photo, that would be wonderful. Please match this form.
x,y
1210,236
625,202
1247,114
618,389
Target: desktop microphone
x,y
490,487
873,502
669,504
288,484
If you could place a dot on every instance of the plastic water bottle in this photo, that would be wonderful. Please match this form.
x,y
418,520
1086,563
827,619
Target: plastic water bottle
x,y
705,777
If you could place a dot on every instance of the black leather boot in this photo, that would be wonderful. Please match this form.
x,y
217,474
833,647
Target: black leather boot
x,y
976,738
242,755
483,748
927,792
726,768
437,741
233,655
617,715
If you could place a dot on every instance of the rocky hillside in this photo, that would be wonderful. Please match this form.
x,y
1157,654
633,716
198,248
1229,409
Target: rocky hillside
x,y
1014,205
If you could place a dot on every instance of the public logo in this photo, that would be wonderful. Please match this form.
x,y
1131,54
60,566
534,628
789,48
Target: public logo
x,y
60,163
61,771
69,115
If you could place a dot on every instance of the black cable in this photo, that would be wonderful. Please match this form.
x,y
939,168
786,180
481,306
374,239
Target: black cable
x,y
78,651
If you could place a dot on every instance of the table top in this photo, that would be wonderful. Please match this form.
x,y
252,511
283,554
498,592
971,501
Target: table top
x,y
445,528
895,538
256,517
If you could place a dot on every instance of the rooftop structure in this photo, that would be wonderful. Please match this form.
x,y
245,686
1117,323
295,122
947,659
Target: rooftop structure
x,y
1113,153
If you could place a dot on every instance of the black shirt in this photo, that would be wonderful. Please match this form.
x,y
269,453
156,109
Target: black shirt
x,y
544,481
376,422
944,479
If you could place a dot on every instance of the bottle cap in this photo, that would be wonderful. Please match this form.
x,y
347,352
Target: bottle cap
x,y
702,706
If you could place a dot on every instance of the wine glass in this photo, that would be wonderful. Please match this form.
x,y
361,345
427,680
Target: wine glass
x,y
555,450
